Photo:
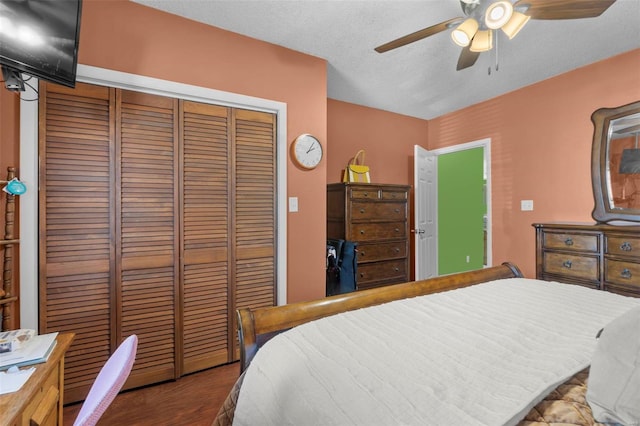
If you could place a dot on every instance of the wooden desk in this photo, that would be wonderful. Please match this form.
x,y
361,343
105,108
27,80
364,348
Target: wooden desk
x,y
39,401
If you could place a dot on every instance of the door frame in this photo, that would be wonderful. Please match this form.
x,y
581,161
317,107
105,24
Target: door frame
x,y
481,143
101,76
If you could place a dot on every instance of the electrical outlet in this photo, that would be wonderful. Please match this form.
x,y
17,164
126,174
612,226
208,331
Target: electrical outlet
x,y
526,205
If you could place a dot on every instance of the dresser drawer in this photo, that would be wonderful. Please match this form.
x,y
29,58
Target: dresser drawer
x,y
570,241
363,210
380,251
365,193
571,266
619,272
382,271
623,246
377,231
394,194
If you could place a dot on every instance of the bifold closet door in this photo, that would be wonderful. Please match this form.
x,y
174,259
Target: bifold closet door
x,y
77,217
147,231
109,229
254,212
206,228
157,217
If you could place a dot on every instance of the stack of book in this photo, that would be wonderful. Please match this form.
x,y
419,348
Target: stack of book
x,y
32,349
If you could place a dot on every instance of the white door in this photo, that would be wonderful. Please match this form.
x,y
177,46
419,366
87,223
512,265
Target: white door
x,y
426,213
426,206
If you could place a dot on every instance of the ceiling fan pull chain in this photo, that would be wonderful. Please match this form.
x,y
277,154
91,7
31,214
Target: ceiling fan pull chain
x,y
497,37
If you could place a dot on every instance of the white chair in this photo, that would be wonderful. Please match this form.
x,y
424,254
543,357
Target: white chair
x,y
108,383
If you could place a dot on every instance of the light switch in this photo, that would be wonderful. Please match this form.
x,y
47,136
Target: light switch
x,y
293,204
526,205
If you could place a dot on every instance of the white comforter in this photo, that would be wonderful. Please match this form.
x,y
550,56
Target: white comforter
x,y
482,355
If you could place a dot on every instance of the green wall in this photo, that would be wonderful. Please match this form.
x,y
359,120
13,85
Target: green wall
x,y
461,207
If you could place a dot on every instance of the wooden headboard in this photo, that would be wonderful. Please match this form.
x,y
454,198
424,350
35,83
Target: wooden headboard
x,y
256,326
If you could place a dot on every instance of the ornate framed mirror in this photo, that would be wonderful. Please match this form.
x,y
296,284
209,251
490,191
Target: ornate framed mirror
x,y
615,163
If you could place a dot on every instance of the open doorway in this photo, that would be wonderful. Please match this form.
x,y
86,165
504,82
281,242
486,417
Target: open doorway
x,y
452,209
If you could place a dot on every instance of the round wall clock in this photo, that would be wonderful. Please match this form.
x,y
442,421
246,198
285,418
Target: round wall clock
x,y
306,151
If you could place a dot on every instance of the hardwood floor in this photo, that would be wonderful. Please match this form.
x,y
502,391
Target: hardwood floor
x,y
191,400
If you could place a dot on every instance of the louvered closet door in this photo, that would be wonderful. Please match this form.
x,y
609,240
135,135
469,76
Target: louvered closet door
x,y
76,218
157,217
147,231
255,210
206,229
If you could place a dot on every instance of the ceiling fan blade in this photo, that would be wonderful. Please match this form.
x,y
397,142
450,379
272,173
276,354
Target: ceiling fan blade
x,y
467,58
418,35
564,9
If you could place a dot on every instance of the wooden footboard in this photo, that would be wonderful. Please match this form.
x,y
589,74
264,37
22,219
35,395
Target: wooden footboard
x,y
257,326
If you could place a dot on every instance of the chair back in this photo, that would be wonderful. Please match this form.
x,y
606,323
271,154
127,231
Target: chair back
x,y
110,380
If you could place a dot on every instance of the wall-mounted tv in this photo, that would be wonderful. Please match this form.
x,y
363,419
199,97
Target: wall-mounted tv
x,y
40,38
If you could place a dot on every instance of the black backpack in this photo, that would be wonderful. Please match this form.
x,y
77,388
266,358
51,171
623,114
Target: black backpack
x,y
342,269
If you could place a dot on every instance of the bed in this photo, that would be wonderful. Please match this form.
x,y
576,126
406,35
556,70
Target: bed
x,y
485,347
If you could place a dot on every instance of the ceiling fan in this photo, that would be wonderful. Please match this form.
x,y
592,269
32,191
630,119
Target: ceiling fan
x,y
474,31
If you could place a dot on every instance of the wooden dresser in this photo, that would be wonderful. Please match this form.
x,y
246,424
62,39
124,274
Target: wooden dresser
x,y
376,217
604,257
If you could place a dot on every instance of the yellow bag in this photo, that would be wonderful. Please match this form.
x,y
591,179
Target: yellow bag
x,y
356,171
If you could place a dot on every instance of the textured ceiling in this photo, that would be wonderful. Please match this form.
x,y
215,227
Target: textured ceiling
x,y
419,79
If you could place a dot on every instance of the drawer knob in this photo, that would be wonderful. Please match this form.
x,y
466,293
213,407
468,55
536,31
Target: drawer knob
x,y
567,264
366,194
362,232
396,249
568,241
397,210
397,229
361,210
396,269
361,253
625,273
361,275
626,246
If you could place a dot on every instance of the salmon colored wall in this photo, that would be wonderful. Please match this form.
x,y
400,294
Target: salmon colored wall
x,y
124,36
9,156
540,146
387,139
541,139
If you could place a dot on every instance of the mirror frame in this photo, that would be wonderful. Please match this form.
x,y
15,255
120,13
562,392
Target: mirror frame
x,y
603,212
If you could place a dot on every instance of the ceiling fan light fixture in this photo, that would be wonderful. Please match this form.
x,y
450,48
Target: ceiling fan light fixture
x,y
498,14
463,34
515,24
482,41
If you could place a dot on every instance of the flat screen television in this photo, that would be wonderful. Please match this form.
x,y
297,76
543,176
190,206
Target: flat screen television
x,y
40,38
